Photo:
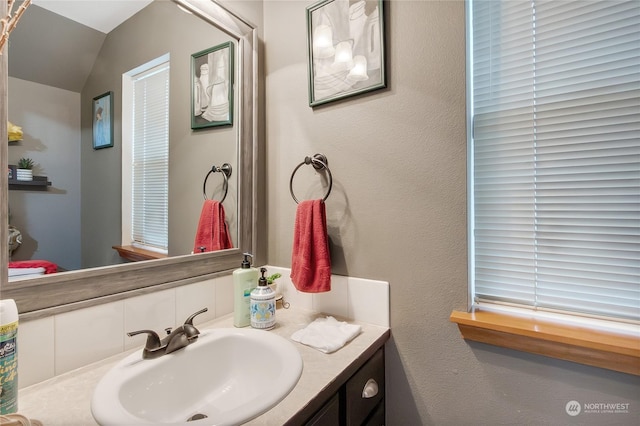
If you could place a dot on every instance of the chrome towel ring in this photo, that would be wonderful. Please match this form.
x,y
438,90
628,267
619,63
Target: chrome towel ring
x,y
226,173
319,162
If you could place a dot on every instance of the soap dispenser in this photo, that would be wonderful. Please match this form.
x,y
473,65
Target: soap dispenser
x,y
244,280
263,305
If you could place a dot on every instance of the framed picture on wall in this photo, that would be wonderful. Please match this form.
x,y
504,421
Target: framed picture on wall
x,y
212,87
345,44
103,121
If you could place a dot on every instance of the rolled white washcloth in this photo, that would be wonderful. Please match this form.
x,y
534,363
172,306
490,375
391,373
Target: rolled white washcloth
x,y
327,334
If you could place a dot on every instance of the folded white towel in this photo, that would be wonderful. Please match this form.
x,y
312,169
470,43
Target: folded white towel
x,y
16,272
327,334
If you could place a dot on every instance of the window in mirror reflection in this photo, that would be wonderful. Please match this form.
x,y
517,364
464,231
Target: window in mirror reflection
x,y
145,180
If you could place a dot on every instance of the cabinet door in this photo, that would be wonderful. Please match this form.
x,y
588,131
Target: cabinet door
x,y
376,418
328,415
365,390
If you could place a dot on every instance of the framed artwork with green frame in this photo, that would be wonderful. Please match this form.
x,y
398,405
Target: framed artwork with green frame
x,y
212,87
346,49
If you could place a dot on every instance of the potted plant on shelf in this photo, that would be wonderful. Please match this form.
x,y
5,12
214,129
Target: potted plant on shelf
x,y
24,171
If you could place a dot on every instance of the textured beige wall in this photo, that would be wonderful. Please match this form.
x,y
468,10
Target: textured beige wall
x,y
397,212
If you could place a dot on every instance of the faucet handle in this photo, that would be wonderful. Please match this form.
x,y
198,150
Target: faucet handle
x,y
153,340
189,320
189,329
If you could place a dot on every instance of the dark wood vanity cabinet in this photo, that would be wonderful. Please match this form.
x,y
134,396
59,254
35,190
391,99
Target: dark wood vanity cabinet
x,y
359,400
364,392
329,414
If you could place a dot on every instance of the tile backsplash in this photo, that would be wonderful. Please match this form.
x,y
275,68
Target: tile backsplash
x,y
354,298
63,342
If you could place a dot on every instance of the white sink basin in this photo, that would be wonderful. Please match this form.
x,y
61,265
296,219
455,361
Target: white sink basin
x,y
228,375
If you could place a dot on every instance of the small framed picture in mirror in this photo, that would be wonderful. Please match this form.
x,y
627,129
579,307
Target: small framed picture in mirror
x,y
103,121
212,87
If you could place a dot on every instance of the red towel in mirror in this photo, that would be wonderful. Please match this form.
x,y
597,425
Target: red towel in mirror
x,y
49,267
213,232
310,258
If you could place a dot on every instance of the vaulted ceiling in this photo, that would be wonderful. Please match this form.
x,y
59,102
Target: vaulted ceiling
x,y
49,48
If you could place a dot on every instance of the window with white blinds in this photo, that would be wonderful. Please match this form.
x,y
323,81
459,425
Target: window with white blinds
x,y
554,108
150,159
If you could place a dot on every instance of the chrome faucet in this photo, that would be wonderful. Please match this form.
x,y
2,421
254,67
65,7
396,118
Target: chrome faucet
x,y
177,338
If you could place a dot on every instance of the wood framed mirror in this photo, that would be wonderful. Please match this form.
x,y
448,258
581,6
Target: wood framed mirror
x,y
69,290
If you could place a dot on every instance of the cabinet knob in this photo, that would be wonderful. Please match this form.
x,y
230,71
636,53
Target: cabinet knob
x,y
370,389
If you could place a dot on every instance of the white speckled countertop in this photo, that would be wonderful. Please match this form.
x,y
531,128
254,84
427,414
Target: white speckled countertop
x,y
65,400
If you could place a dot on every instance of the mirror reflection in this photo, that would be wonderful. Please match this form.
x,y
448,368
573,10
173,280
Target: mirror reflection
x,y
57,67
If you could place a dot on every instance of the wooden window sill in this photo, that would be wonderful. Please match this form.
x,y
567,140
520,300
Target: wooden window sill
x,y
582,345
135,254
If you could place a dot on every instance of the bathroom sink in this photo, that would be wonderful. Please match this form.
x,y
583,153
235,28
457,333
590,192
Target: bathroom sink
x,y
227,377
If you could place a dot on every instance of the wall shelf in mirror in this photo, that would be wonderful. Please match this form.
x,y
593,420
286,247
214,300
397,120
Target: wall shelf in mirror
x,y
39,183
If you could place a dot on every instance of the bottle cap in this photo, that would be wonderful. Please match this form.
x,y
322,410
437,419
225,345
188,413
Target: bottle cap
x,y
246,264
262,282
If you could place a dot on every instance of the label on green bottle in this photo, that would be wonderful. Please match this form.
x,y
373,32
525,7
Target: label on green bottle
x,y
8,368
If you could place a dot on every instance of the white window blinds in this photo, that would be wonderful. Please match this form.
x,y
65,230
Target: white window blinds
x,y
150,158
555,197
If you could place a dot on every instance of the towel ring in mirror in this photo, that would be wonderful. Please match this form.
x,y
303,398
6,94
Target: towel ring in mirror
x,y
226,173
319,162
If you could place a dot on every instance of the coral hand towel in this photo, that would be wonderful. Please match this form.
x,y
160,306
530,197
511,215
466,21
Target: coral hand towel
x,y
310,259
212,233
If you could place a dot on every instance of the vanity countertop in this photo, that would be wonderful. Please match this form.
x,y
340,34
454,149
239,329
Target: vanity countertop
x,y
66,399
